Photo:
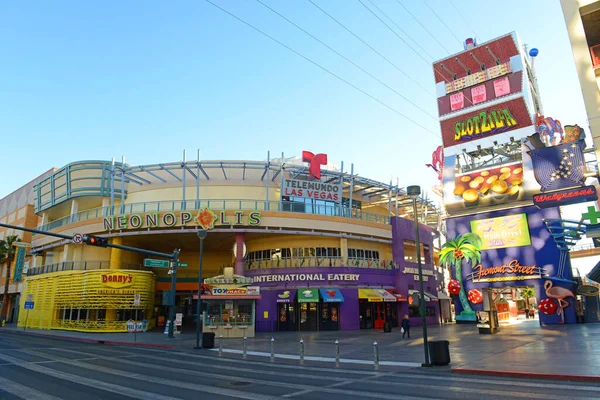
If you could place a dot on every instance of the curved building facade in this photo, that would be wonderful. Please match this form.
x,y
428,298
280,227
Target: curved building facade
x,y
288,247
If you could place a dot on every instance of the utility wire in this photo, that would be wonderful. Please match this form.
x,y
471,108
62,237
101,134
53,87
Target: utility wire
x,y
370,47
348,60
400,29
464,19
321,67
423,26
442,21
394,32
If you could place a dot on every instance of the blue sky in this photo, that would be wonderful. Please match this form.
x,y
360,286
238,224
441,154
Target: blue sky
x,y
147,79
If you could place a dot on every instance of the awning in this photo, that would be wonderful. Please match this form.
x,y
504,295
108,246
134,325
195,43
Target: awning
x,y
331,296
442,296
387,296
399,296
369,294
308,295
211,297
286,296
428,296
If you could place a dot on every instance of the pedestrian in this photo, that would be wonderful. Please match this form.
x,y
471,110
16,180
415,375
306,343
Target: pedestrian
x,y
406,327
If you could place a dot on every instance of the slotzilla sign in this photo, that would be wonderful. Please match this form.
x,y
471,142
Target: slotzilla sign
x,y
311,190
306,277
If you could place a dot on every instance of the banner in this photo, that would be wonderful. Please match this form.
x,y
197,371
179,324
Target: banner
x,y
501,232
19,264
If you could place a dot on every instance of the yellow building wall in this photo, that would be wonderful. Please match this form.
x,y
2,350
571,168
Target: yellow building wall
x,y
207,192
384,249
279,241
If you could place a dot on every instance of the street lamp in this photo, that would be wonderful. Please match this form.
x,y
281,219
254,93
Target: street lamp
x,y
414,192
201,235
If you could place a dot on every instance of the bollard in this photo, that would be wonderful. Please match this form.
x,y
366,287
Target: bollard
x,y
272,349
301,351
337,352
220,344
376,354
244,351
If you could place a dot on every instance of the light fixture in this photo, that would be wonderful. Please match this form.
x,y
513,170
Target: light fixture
x,y
413,191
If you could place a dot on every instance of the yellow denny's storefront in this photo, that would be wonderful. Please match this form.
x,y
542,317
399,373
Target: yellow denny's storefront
x,y
89,301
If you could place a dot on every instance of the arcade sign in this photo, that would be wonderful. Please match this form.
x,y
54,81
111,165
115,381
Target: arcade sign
x,y
565,197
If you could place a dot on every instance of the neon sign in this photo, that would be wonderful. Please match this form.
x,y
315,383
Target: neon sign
x,y
565,197
481,274
484,123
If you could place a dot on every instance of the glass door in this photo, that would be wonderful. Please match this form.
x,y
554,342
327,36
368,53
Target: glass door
x,y
308,316
286,317
379,314
330,317
366,314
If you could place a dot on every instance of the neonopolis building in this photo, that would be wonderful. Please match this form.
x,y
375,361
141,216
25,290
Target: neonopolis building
x,y
291,244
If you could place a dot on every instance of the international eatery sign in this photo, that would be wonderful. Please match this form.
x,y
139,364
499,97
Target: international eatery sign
x,y
306,278
206,218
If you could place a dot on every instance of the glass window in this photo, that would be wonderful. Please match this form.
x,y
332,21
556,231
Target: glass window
x,y
410,251
286,253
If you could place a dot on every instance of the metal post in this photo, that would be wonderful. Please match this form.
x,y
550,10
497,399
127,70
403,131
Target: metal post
x,y
281,182
199,313
376,354
112,187
272,349
397,190
135,327
244,348
421,292
267,179
184,174
337,352
26,318
174,260
122,184
198,181
220,344
351,186
301,351
341,202
390,203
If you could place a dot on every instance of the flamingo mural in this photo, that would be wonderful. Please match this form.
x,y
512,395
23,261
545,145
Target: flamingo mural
x,y
560,294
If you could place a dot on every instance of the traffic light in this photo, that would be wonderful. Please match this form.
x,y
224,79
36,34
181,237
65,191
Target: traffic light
x,y
96,241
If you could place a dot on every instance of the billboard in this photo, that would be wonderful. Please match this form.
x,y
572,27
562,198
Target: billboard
x,y
502,232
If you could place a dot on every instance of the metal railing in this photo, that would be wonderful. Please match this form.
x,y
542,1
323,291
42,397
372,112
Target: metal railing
x,y
302,262
77,266
241,205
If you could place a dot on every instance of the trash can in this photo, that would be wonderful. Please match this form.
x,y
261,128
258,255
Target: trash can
x,y
208,340
439,352
387,327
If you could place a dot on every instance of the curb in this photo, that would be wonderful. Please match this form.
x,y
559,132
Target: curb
x,y
97,341
531,375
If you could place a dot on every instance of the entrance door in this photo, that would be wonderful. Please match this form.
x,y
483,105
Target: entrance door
x,y
287,317
330,317
366,314
379,314
308,316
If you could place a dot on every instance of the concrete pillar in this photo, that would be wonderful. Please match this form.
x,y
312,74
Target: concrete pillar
x,y
105,205
344,249
74,209
240,241
116,255
44,220
67,254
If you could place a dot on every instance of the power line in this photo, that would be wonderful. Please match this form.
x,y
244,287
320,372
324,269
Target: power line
x,y
345,58
370,47
464,19
442,21
423,26
394,32
320,67
400,29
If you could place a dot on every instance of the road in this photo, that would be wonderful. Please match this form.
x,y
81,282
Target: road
x,y
36,368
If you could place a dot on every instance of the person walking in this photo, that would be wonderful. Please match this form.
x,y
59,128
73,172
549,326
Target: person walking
x,y
405,327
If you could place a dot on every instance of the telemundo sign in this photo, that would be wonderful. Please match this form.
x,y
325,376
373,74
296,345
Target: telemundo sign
x,y
204,218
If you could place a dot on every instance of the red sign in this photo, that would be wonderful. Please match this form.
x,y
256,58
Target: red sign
x,y
315,161
565,197
478,93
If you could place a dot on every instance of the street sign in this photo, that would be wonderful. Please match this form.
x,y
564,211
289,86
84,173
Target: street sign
x,y
153,263
182,265
77,238
136,300
29,305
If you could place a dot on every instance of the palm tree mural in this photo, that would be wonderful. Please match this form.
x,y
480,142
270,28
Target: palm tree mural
x,y
467,246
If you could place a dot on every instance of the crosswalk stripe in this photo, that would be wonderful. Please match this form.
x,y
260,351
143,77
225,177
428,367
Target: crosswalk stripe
x,y
228,392
23,391
82,380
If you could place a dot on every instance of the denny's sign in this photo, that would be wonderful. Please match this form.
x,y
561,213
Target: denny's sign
x,y
513,271
117,280
205,218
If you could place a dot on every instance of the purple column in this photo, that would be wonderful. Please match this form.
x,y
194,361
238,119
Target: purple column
x,y
240,240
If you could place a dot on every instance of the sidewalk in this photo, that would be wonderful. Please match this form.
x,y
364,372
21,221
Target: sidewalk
x,y
567,351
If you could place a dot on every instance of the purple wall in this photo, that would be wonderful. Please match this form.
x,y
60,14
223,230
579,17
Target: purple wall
x,y
373,278
542,252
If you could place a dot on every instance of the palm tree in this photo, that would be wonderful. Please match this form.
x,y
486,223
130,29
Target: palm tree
x,y
7,255
527,293
467,246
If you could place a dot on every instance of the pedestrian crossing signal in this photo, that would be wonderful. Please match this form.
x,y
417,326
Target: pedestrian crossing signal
x,y
96,241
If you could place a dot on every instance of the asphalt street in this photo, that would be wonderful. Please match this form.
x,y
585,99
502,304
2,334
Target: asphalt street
x,y
35,368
